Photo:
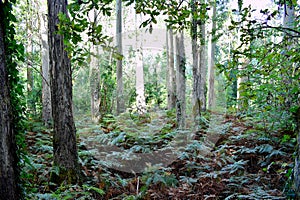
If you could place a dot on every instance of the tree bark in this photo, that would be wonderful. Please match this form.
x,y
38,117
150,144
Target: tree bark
x,y
46,93
242,102
297,159
171,77
29,53
8,158
140,85
196,72
211,73
289,22
95,85
202,66
120,98
180,82
95,76
64,137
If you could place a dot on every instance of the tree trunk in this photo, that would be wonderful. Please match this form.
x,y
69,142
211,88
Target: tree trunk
x,y
196,72
202,67
140,85
171,83
94,75
95,85
180,81
297,159
289,22
46,94
29,53
8,158
242,102
64,137
120,98
211,73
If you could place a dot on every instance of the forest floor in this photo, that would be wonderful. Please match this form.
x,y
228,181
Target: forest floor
x,y
134,157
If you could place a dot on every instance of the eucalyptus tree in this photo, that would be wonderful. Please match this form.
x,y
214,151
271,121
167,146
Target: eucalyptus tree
x,y
120,97
211,74
290,77
46,93
180,81
182,15
171,76
94,74
11,107
29,54
94,77
196,72
270,49
8,159
139,72
64,136
202,56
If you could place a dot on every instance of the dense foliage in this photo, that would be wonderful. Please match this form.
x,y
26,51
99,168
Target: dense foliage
x,y
245,147
14,56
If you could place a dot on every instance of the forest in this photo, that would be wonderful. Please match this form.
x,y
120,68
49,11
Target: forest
x,y
149,99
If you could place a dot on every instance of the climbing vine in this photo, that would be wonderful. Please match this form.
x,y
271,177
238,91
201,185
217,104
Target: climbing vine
x,y
14,55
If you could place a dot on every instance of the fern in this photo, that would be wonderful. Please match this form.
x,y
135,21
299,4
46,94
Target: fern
x,y
265,148
91,188
232,168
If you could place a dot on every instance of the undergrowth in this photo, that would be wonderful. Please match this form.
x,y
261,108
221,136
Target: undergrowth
x,y
243,162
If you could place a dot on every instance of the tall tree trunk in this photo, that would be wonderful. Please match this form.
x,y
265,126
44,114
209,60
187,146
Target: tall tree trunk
x,y
171,77
196,72
211,73
95,85
46,93
29,53
180,81
120,98
202,66
140,85
242,102
8,158
297,159
94,76
64,137
289,22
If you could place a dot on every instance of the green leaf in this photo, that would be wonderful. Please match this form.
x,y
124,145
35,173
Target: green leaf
x,y
98,190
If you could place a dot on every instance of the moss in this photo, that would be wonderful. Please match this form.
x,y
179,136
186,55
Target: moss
x,y
65,175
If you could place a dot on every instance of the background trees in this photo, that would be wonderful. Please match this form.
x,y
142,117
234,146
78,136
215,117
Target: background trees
x,y
257,64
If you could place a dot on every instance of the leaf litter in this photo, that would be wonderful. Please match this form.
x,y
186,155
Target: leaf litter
x,y
228,159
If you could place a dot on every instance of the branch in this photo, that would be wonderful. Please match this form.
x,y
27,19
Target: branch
x,y
283,29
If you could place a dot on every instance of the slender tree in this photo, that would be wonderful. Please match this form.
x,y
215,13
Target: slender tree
x,y
289,23
94,76
196,72
95,85
171,76
8,159
211,73
29,53
46,93
120,98
180,81
139,84
202,65
64,137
